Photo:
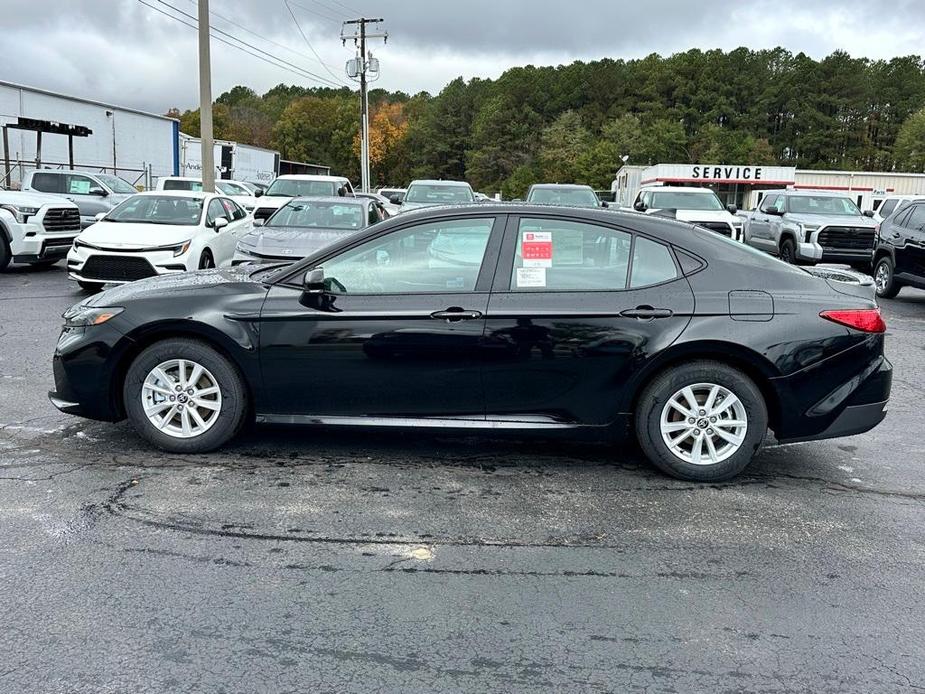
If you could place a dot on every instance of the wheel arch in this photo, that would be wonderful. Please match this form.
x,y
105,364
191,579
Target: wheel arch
x,y
881,253
749,362
150,334
785,234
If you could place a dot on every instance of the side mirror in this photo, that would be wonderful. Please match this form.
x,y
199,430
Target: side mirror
x,y
259,222
101,192
773,211
604,203
395,200
99,216
869,213
219,223
639,206
313,282
258,193
342,192
732,209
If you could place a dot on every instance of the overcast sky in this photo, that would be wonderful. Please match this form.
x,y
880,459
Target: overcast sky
x,y
123,52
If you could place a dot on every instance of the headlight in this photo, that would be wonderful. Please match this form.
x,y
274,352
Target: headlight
x,y
808,229
179,249
21,214
83,316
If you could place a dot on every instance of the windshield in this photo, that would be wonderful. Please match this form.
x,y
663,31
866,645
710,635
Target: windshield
x,y
294,188
116,184
822,204
676,200
158,209
229,188
322,215
180,184
437,194
579,197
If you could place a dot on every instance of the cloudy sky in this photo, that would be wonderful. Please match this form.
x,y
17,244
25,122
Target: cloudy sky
x,y
128,53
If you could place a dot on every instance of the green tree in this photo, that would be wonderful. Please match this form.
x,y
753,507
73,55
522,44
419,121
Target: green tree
x,y
563,144
910,143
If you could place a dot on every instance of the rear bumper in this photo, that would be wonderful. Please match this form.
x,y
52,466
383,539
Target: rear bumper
x,y
854,419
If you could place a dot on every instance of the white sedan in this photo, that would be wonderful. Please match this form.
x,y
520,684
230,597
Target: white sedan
x,y
157,233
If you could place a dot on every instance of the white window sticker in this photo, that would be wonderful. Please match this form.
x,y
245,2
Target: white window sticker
x,y
80,186
531,277
536,248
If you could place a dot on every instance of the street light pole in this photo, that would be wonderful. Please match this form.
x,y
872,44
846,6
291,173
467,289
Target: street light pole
x,y
205,100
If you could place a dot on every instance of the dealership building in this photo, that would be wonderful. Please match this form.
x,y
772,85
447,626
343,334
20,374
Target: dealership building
x,y
744,185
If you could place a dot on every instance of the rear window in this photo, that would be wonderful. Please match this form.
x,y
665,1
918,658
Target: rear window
x,y
183,185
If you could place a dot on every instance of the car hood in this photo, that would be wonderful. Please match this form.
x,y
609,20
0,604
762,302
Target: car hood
x,y
292,241
130,235
272,201
230,279
30,199
707,216
840,220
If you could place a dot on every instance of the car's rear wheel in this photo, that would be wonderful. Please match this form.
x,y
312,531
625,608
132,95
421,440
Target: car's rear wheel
x,y
886,284
788,251
701,421
185,397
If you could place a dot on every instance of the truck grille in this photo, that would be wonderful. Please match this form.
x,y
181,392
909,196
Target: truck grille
x,y
718,227
264,212
116,268
64,242
61,219
856,238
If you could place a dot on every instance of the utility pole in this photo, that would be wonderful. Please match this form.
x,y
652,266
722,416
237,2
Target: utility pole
x,y
357,69
205,100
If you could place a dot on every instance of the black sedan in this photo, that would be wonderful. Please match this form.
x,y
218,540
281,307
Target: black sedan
x,y
494,317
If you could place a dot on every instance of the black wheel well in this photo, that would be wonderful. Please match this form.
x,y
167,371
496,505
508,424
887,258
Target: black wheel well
x,y
171,333
722,356
787,235
881,253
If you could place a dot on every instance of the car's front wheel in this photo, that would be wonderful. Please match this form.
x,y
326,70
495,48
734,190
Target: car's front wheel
x,y
886,284
701,421
788,251
185,397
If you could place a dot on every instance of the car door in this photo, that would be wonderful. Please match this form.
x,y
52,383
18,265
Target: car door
x,y
88,194
759,225
576,308
908,237
396,332
220,240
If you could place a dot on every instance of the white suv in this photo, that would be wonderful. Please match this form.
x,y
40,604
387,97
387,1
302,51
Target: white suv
x,y
35,228
285,188
699,206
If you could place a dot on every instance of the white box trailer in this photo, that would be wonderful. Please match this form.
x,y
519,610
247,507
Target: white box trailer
x,y
41,129
233,160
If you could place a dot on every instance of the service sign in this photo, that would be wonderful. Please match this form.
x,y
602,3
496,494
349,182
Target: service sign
x,y
720,173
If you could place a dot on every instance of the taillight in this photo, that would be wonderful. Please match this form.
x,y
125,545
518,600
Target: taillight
x,y
867,320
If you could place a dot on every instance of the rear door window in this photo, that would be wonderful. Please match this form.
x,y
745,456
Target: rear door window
x,y
916,219
49,182
557,255
652,263
887,207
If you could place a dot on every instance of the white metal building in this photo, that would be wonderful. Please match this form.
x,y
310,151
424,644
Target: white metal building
x,y
41,129
744,185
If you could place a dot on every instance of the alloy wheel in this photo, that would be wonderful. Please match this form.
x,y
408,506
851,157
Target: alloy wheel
x,y
882,277
703,424
181,398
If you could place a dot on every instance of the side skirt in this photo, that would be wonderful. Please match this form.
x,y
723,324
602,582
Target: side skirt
x,y
416,422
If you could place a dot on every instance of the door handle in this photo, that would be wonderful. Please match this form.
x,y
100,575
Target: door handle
x,y
453,314
647,313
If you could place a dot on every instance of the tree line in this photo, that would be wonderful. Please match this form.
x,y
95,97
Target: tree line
x,y
574,123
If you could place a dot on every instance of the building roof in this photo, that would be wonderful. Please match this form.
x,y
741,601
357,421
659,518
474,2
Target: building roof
x,y
47,92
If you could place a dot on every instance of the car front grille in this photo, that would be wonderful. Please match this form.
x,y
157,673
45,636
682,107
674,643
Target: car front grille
x,y
61,219
65,241
718,227
116,268
854,238
264,212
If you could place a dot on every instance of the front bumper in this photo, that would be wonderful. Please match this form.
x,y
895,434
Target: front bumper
x,y
30,243
814,252
161,262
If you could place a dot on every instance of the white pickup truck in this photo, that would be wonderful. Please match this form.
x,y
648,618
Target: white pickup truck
x,y
699,206
36,228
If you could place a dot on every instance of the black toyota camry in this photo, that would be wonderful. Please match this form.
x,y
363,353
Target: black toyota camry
x,y
517,317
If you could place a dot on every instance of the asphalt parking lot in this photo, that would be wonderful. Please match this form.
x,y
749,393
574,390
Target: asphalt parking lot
x,y
298,561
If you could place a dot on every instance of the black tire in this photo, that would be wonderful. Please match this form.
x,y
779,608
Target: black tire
x,y
890,288
234,406
655,397
206,261
91,287
5,255
788,251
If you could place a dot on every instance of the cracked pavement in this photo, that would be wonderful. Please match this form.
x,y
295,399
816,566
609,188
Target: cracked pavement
x,y
299,560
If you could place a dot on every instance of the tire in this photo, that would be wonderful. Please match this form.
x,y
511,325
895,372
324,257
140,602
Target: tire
x,y
92,287
5,255
224,417
701,376
206,261
887,286
788,251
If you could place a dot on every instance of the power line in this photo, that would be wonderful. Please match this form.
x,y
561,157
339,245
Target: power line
x,y
346,7
299,27
326,17
279,62
264,38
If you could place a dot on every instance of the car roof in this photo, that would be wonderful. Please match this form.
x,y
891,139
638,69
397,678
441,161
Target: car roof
x,y
680,189
330,198
310,177
180,193
569,186
439,182
808,192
